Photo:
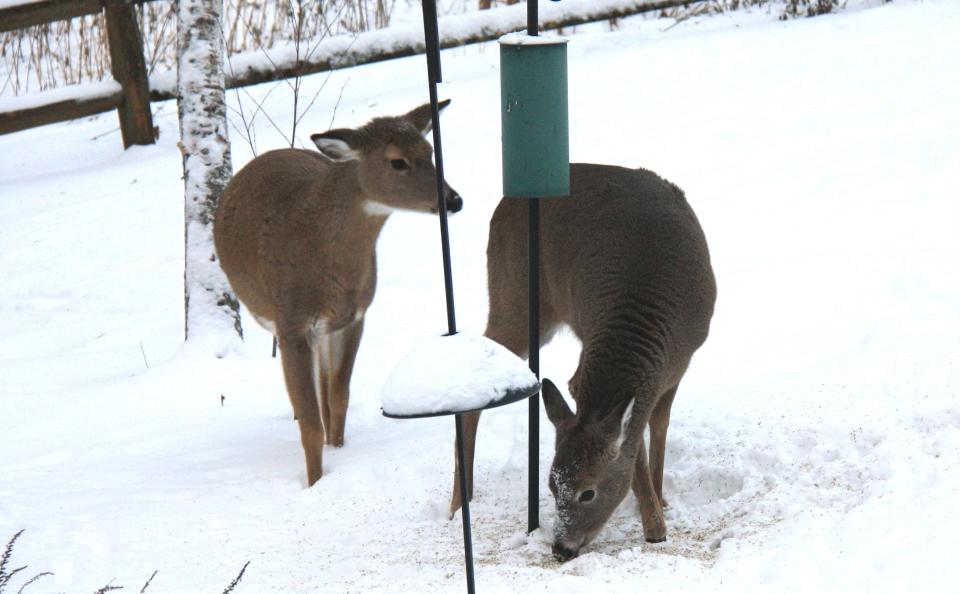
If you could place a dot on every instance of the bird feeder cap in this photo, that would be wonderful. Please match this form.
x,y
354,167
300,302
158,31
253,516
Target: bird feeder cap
x,y
521,39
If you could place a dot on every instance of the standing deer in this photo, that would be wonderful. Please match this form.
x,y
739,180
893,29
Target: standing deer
x,y
624,263
295,232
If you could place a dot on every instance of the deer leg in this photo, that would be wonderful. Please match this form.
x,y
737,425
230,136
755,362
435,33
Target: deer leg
x,y
470,422
513,335
659,421
323,379
651,513
341,356
300,374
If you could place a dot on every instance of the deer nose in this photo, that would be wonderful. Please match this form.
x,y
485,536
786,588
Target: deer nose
x,y
563,554
454,201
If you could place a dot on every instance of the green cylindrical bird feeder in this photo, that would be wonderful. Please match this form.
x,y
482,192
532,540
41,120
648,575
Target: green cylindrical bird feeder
x,y
536,164
533,103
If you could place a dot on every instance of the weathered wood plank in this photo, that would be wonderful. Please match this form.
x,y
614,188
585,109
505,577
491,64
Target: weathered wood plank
x,y
130,70
47,11
60,111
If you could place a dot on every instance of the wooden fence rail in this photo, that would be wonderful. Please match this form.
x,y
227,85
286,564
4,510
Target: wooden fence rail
x,y
132,98
46,11
127,65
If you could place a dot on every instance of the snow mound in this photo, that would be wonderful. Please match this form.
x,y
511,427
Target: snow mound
x,y
454,373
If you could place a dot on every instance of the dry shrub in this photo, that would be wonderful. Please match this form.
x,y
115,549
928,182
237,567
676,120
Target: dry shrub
x,y
808,8
788,8
74,51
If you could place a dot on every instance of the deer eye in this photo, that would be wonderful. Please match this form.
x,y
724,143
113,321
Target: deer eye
x,y
587,496
399,164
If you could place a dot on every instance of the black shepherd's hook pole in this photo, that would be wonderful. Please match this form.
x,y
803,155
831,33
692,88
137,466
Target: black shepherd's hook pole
x,y
432,39
533,325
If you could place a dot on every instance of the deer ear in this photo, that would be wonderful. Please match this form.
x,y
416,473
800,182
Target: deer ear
x,y
422,118
337,145
557,409
616,424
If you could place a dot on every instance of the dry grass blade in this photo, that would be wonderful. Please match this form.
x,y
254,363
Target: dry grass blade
x,y
333,116
32,580
147,585
237,579
5,576
108,588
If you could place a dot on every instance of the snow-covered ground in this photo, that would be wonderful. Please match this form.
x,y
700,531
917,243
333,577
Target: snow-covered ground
x,y
815,439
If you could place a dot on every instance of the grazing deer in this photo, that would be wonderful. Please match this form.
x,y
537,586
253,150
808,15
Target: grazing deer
x,y
295,232
624,263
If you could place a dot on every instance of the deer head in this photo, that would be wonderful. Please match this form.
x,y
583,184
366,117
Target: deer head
x,y
393,160
592,468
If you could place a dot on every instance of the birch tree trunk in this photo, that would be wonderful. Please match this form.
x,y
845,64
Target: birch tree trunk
x,y
212,310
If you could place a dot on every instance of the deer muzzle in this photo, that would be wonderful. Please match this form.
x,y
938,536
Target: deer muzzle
x,y
562,552
454,201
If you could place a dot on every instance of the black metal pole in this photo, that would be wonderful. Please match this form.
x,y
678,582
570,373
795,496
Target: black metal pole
x,y
533,325
442,204
431,35
533,447
432,40
465,507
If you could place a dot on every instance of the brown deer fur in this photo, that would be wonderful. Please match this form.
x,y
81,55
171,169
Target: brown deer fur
x,y
295,232
624,264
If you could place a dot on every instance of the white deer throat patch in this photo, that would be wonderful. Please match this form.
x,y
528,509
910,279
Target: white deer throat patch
x,y
377,209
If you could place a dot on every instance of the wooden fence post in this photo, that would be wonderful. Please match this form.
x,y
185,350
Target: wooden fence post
x,y
130,70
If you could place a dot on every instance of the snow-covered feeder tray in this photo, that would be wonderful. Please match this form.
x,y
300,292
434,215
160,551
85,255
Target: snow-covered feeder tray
x,y
455,374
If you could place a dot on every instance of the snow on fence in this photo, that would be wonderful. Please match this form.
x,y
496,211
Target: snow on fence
x,y
130,96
